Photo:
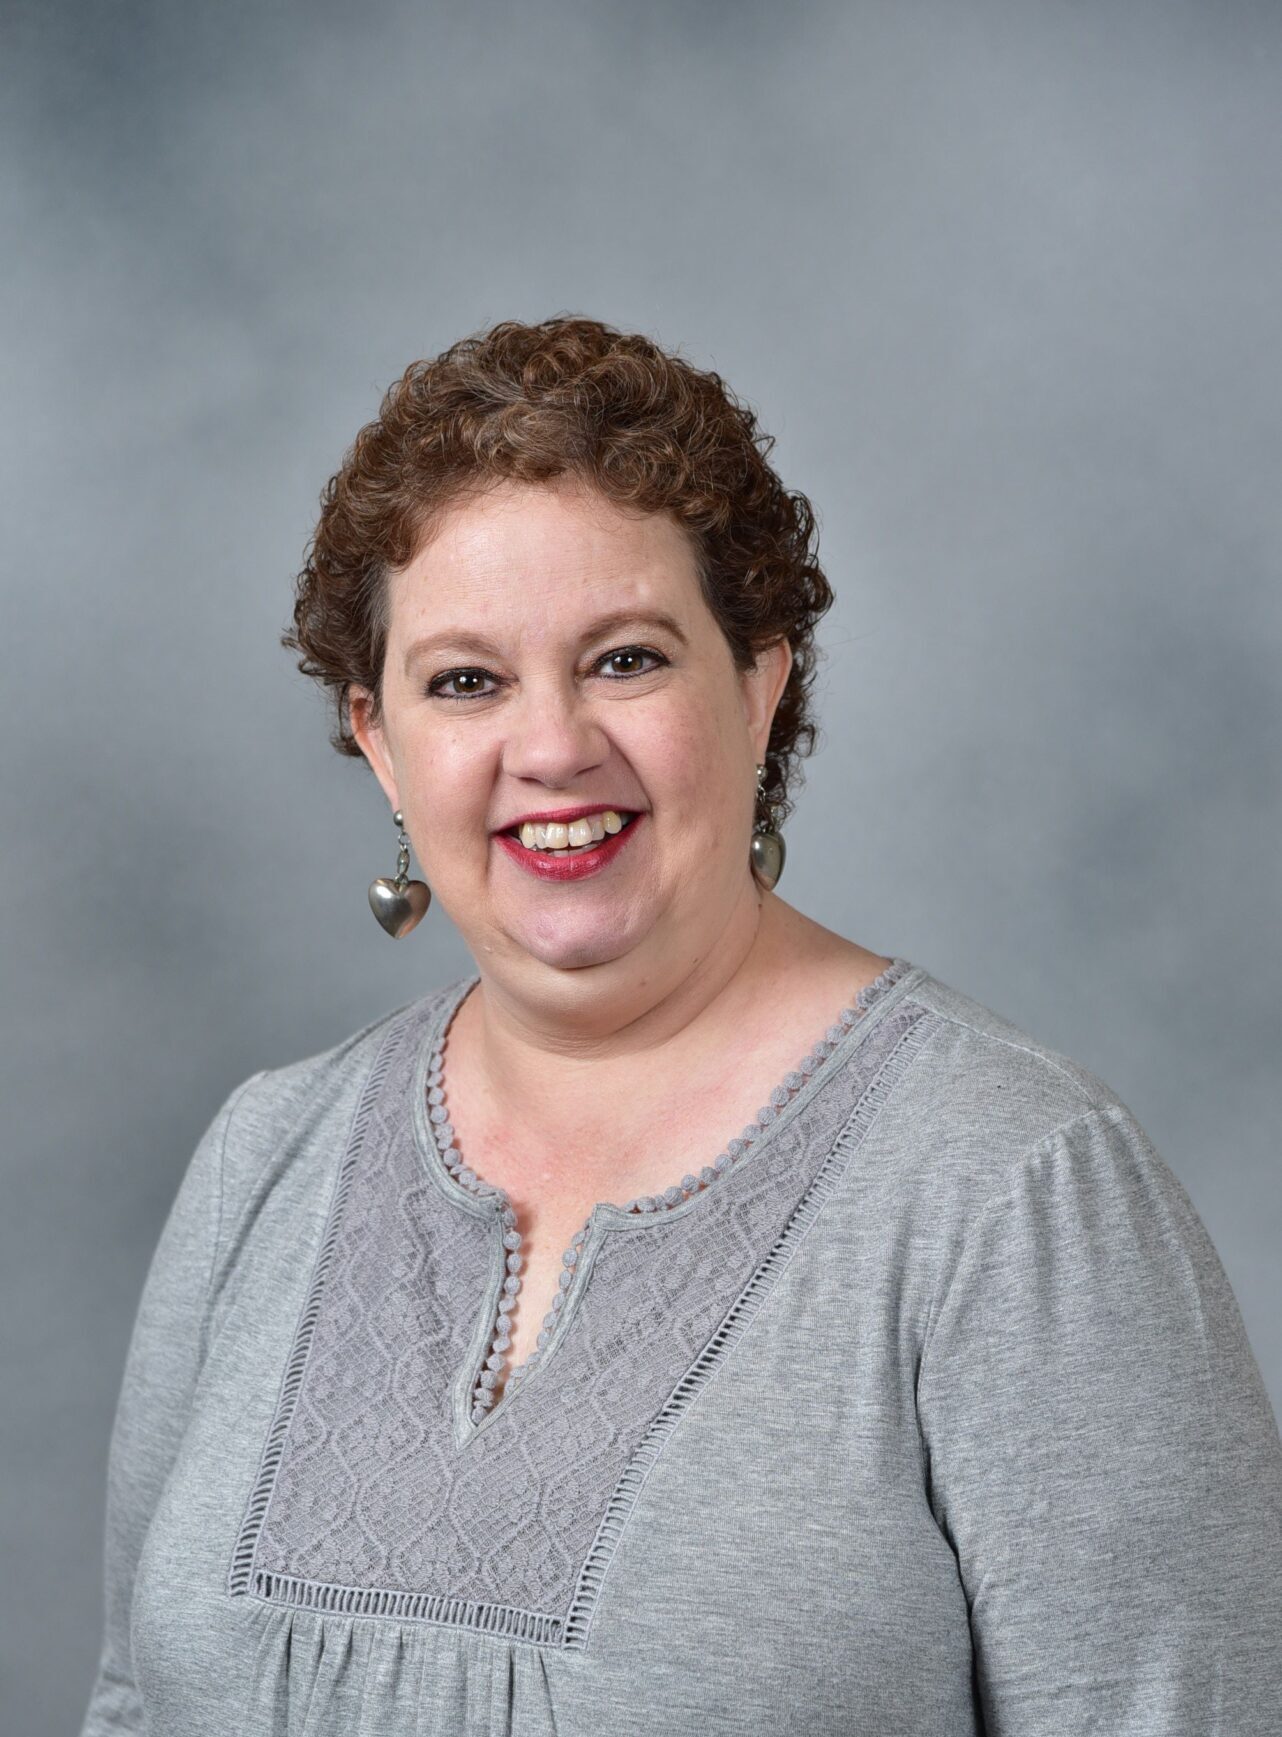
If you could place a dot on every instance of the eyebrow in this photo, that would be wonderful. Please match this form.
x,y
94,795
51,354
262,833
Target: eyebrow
x,y
457,639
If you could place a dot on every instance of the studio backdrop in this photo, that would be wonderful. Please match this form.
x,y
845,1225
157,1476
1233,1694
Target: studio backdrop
x,y
1003,280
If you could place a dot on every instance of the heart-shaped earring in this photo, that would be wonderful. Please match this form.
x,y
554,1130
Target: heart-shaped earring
x,y
399,905
766,852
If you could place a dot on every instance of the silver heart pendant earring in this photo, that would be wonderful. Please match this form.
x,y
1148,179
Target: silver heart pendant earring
x,y
766,852
400,905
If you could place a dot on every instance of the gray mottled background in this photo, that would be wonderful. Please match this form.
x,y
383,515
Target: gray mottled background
x,y
1005,280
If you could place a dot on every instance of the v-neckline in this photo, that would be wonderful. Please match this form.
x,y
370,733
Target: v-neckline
x,y
465,1188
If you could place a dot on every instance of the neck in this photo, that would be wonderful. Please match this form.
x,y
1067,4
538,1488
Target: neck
x,y
553,1112
629,1022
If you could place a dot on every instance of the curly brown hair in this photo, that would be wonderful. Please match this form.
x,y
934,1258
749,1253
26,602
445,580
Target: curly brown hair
x,y
568,395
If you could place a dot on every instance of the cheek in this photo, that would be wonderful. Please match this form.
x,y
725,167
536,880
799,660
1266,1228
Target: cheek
x,y
451,783
701,776
453,772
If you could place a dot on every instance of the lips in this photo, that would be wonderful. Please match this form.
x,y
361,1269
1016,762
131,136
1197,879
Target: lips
x,y
575,865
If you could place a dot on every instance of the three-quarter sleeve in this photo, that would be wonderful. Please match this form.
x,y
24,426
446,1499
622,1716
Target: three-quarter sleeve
x,y
166,1350
1102,1456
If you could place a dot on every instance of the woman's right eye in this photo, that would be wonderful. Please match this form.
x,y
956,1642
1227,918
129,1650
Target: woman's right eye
x,y
439,689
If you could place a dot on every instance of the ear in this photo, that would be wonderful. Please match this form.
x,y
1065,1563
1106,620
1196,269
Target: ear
x,y
763,687
372,741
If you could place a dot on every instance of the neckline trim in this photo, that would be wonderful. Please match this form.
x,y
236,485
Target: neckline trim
x,y
494,1383
434,1134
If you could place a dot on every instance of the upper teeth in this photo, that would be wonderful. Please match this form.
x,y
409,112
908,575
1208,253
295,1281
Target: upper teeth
x,y
563,835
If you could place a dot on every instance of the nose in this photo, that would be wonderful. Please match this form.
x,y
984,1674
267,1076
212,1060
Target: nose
x,y
553,737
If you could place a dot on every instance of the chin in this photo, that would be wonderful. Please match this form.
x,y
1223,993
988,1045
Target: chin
x,y
574,947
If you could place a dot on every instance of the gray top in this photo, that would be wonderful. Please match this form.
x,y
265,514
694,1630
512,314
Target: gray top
x,y
925,1408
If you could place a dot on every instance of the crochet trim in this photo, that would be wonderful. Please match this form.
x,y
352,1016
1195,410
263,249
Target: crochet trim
x,y
500,1619
918,1028
913,1026
488,1387
260,1497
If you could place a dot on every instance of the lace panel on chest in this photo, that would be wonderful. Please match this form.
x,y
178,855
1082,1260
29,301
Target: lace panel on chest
x,y
369,1498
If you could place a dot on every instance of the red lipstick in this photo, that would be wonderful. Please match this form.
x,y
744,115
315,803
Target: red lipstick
x,y
545,867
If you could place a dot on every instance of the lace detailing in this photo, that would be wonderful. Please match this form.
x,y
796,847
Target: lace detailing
x,y
486,1390
369,1500
247,1543
903,1035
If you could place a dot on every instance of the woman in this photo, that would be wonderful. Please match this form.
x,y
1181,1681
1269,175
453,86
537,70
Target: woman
x,y
487,1378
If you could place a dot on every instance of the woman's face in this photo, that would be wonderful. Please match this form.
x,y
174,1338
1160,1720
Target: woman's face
x,y
548,650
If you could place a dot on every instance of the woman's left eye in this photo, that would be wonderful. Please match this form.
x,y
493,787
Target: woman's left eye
x,y
634,652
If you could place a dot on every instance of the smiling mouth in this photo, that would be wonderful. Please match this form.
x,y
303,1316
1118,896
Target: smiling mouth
x,y
625,817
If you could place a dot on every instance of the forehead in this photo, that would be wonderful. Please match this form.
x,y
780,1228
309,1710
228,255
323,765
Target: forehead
x,y
537,555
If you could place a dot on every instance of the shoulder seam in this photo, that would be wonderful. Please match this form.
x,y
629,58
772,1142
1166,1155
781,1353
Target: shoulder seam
x,y
1002,1187
371,1034
1026,1049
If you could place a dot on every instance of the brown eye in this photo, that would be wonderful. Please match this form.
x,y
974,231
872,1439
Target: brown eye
x,y
445,687
632,654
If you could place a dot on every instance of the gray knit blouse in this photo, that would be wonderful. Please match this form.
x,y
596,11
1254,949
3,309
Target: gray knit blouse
x,y
924,1409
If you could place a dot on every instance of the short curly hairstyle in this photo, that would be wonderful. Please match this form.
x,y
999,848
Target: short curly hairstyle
x,y
567,396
